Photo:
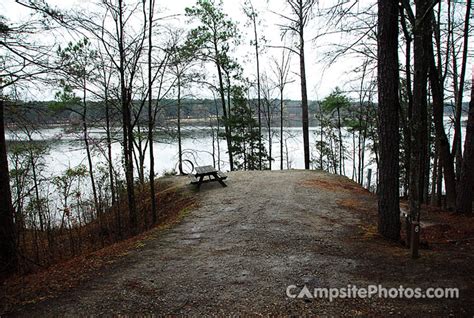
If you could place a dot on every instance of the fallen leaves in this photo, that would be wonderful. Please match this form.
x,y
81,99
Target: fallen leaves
x,y
335,184
67,274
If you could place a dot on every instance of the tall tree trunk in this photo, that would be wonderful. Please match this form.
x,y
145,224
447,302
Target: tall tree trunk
x,y
8,255
341,154
466,180
151,119
426,178
354,164
259,104
217,135
180,146
321,139
459,94
224,110
281,129
422,44
125,96
434,175
109,144
139,151
133,221
445,156
269,127
229,92
439,185
39,207
388,183
113,194
406,114
359,146
304,99
88,152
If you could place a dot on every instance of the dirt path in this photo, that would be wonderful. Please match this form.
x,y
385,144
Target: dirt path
x,y
244,245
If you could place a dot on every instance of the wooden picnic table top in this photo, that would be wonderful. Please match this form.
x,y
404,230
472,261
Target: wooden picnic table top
x,y
204,170
207,171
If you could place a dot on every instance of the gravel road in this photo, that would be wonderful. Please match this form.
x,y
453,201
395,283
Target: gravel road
x,y
239,250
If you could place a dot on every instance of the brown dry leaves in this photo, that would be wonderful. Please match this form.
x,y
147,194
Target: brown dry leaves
x,y
338,184
50,282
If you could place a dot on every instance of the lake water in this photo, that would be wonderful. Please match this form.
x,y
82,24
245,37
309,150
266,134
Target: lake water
x,y
66,149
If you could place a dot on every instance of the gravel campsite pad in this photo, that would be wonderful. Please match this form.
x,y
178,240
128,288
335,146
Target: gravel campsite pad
x,y
240,248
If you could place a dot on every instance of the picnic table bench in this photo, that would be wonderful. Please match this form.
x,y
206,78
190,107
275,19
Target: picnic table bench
x,y
207,171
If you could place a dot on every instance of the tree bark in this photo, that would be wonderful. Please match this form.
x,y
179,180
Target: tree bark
x,y
8,255
419,132
269,127
388,183
304,99
459,94
88,151
281,129
341,155
151,119
406,116
445,156
180,146
434,174
259,104
109,142
224,110
125,97
466,180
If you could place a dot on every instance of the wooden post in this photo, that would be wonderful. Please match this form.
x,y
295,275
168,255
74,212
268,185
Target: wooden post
x,y
369,178
408,230
415,238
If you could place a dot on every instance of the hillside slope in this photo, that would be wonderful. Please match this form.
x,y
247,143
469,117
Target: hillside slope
x,y
243,245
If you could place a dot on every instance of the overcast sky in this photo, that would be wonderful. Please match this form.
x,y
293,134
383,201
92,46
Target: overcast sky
x,y
319,84
321,78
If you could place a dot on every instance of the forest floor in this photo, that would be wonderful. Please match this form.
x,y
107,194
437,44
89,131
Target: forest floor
x,y
241,246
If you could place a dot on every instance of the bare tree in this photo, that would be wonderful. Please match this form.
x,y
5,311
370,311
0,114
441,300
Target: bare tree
x,y
80,62
23,60
180,63
106,77
124,48
252,14
458,82
213,38
151,118
301,12
388,185
269,110
466,180
437,77
418,125
281,69
8,254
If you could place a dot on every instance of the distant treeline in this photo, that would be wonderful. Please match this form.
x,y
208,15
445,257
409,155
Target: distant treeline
x,y
46,113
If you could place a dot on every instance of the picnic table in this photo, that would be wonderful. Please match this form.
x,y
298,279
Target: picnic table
x,y
207,171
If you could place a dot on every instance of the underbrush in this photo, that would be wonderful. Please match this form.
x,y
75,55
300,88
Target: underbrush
x,y
59,260
40,249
